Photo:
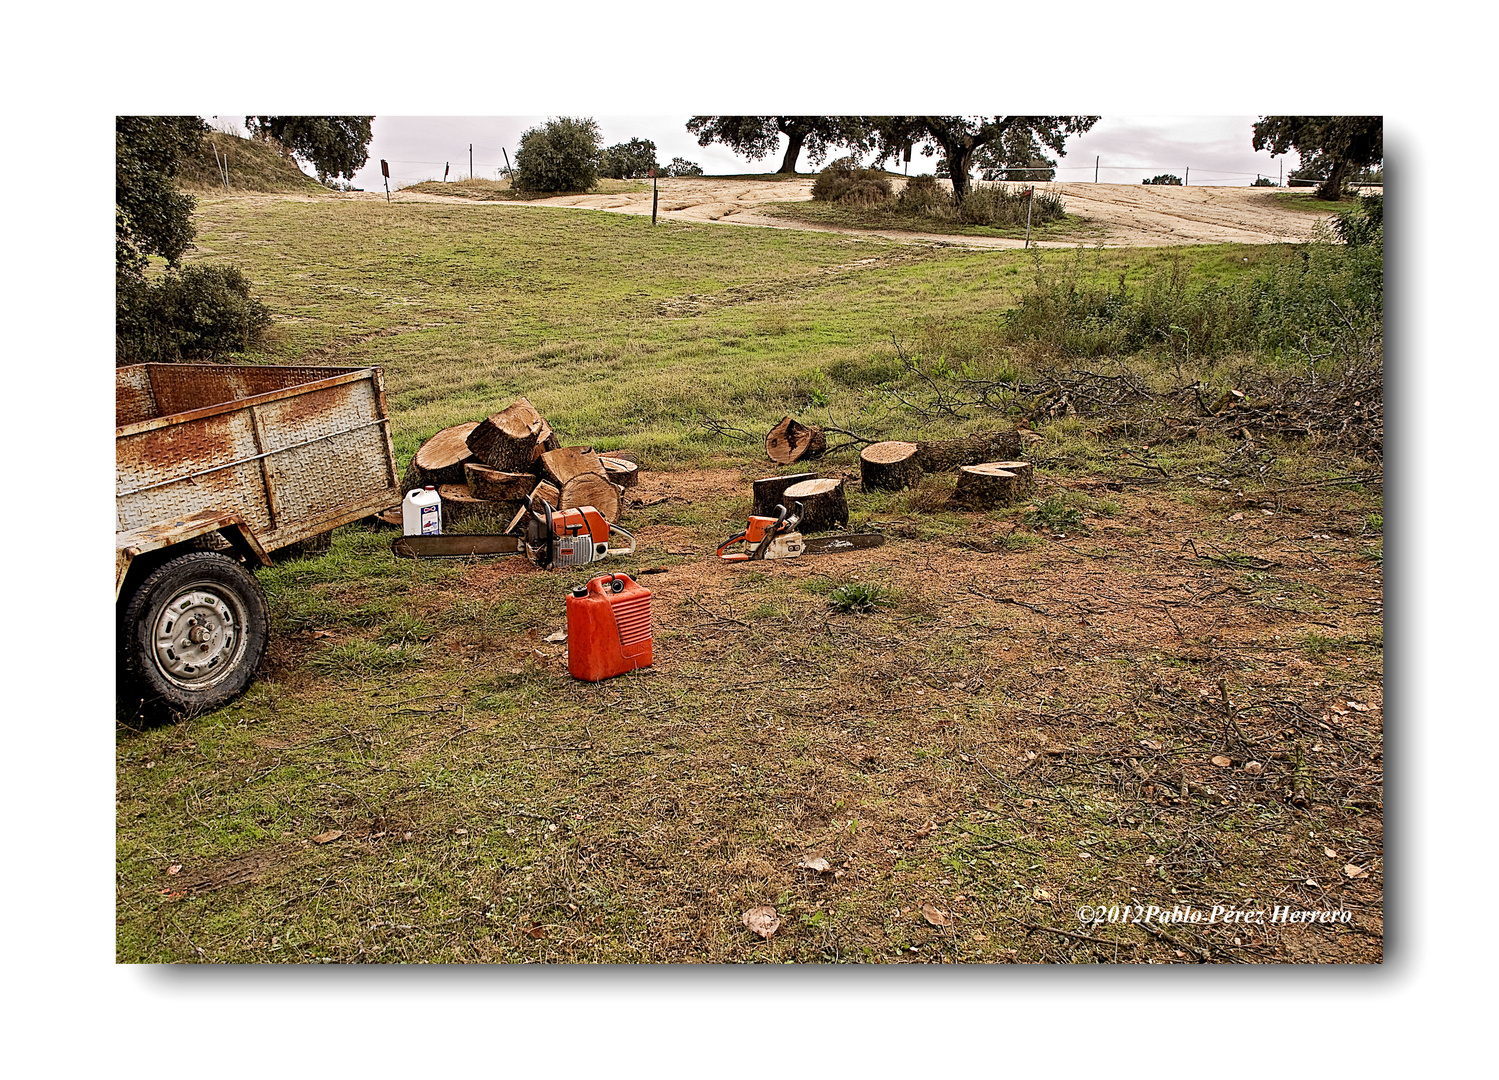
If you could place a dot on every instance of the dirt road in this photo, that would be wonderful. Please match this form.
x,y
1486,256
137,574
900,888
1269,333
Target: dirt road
x,y
1125,215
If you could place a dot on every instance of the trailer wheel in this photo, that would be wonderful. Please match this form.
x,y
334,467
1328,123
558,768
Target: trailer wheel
x,y
193,633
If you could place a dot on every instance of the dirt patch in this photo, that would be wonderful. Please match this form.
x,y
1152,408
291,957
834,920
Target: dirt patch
x,y
1128,215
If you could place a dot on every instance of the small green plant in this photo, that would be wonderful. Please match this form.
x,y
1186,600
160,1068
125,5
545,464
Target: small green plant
x,y
1374,523
1055,514
858,597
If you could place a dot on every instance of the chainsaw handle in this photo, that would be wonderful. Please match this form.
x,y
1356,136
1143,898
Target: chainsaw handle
x,y
738,556
627,535
770,534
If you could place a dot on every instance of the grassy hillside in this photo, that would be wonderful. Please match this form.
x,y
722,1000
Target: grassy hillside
x,y
253,165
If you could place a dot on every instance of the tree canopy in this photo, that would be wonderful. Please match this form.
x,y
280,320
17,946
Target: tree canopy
x,y
1012,139
624,160
757,137
336,145
151,216
1347,142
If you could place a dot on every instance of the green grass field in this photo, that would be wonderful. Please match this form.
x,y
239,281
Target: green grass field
x,y
1030,720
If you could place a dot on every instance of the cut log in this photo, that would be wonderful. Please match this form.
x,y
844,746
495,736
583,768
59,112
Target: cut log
x,y
889,466
496,486
993,484
591,489
619,471
459,504
547,491
507,440
824,505
945,455
768,492
440,459
791,440
561,465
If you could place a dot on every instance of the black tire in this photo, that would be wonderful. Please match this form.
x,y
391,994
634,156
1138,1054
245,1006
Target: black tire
x,y
193,633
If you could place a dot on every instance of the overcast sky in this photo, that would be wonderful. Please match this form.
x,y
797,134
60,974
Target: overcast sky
x,y
1123,149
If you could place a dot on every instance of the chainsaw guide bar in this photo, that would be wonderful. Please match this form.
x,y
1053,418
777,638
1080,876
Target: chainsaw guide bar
x,y
452,546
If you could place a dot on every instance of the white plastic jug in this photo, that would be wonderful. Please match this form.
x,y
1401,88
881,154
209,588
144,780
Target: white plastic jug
x,y
421,512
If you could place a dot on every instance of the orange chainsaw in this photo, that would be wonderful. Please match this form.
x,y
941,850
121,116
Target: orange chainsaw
x,y
777,538
549,538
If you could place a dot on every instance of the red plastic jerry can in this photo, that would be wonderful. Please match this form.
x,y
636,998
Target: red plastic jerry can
x,y
608,628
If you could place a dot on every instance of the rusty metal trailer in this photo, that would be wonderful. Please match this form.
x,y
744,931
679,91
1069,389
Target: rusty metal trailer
x,y
217,466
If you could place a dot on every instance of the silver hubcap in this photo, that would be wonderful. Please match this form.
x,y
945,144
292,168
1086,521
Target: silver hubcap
x,y
198,636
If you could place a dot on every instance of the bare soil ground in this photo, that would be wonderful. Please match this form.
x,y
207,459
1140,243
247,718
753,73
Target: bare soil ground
x,y
1126,215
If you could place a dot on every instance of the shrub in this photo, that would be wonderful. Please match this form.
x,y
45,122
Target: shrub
x,y
922,194
560,155
844,181
1164,178
683,167
200,313
625,160
1263,181
997,204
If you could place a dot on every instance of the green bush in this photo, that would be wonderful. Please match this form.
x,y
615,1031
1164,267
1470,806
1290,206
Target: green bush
x,y
1166,179
560,155
997,204
683,167
200,313
625,160
844,181
923,195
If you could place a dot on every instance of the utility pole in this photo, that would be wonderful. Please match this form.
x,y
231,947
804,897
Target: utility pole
x,y
1095,168
1187,176
470,161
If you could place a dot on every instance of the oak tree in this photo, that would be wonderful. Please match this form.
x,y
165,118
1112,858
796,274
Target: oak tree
x,y
960,138
757,137
336,145
1347,142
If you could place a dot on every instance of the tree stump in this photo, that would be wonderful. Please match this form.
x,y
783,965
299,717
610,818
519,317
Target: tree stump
x,y
768,492
619,471
889,466
994,483
496,486
791,440
561,465
945,455
824,506
440,459
592,489
507,440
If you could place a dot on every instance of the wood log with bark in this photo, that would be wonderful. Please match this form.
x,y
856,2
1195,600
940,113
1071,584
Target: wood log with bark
x,y
768,492
592,489
945,455
994,484
460,504
507,440
889,466
561,465
544,491
791,440
496,486
824,504
620,471
440,459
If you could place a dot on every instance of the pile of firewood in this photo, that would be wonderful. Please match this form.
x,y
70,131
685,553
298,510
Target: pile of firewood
x,y
988,473
512,461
